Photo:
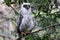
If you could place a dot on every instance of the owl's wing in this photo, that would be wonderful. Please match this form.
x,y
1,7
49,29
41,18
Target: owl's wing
x,y
31,25
19,20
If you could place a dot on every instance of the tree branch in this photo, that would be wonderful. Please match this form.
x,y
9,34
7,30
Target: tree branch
x,y
14,10
52,25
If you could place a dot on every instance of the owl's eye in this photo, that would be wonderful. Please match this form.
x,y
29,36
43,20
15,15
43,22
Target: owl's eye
x,y
24,5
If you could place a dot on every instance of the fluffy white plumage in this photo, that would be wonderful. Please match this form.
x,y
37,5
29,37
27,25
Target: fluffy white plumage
x,y
26,22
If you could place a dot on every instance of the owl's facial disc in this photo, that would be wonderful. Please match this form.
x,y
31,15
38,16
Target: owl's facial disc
x,y
26,6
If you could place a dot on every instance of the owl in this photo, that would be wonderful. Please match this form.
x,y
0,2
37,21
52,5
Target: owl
x,y
25,22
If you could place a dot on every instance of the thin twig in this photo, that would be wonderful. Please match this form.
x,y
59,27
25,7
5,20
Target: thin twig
x,y
52,25
14,10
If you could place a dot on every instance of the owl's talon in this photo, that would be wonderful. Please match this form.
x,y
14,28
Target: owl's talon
x,y
27,32
23,33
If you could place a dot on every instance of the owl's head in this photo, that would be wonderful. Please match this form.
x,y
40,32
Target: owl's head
x,y
26,6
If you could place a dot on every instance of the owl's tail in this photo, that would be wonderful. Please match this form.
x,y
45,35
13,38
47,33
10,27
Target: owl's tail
x,y
20,35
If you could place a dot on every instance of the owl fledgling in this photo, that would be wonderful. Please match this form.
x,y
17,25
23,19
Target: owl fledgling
x,y
25,22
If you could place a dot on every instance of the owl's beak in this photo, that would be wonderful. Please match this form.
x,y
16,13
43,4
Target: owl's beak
x,y
27,7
